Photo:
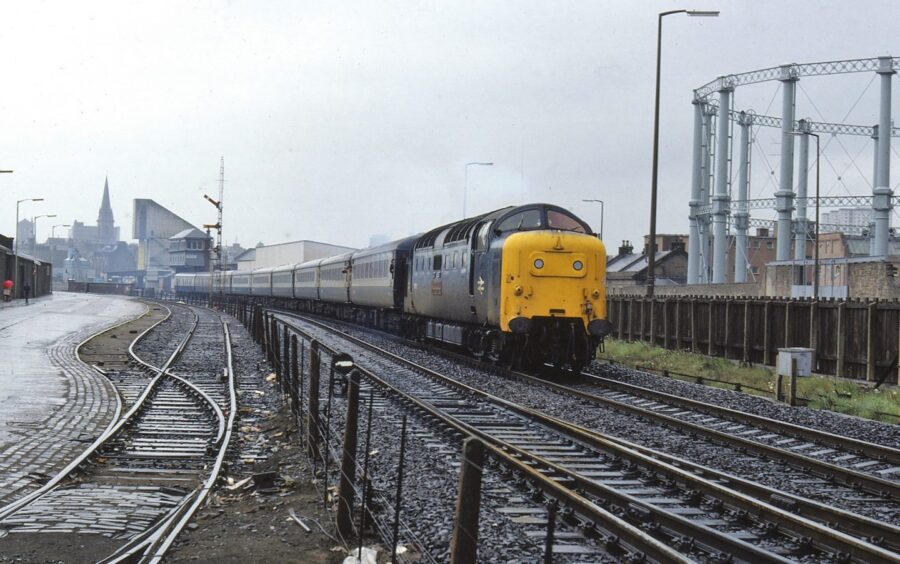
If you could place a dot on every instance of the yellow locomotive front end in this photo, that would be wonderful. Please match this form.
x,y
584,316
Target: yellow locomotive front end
x,y
552,291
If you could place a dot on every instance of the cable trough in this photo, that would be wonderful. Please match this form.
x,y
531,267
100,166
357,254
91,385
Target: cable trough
x,y
136,486
700,518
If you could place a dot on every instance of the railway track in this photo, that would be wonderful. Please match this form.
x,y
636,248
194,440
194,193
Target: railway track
x,y
136,486
846,460
702,518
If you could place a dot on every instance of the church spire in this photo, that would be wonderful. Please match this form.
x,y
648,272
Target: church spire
x,y
105,221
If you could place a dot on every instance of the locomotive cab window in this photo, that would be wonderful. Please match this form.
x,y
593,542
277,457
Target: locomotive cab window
x,y
524,220
437,262
564,222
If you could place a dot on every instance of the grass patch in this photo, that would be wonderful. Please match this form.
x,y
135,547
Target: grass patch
x,y
820,392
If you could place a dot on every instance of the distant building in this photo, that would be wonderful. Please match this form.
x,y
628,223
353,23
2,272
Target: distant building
x,y
25,235
189,251
78,268
152,226
115,261
107,232
629,269
292,252
88,237
856,217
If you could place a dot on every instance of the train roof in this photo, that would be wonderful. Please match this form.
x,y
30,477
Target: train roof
x,y
462,230
308,264
336,259
284,267
400,244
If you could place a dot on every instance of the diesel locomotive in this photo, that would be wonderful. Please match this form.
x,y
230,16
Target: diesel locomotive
x,y
522,286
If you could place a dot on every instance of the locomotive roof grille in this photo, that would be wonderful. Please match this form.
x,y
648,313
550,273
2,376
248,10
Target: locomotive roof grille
x,y
458,230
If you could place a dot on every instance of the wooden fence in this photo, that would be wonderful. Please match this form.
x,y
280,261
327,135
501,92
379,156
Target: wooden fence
x,y
852,338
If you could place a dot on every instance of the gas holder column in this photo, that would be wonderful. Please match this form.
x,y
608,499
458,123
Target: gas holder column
x,y
704,219
742,212
881,201
801,226
784,197
721,199
693,274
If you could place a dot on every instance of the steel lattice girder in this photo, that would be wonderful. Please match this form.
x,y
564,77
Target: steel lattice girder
x,y
810,201
790,71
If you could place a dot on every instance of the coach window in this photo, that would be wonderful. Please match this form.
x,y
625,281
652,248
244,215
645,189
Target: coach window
x,y
437,262
455,259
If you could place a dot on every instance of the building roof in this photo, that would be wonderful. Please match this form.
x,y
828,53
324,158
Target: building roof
x,y
248,255
192,233
634,263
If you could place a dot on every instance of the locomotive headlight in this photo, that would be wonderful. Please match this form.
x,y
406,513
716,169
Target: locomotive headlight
x,y
577,265
539,263
596,294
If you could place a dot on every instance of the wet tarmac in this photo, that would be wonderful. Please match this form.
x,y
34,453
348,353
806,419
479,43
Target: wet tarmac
x,y
31,385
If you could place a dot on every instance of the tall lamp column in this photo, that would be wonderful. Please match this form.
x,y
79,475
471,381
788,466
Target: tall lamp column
x,y
816,249
651,247
16,246
601,214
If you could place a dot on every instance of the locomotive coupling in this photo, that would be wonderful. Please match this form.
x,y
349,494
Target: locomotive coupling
x,y
598,327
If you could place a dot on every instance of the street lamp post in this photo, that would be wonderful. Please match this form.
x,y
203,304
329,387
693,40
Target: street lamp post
x,y
601,215
53,239
16,246
651,249
816,249
466,188
34,230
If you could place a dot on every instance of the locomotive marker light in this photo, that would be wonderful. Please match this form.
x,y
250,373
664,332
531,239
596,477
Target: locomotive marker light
x,y
651,248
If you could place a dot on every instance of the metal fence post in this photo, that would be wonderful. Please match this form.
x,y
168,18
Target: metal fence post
x,y
464,543
347,485
365,474
295,372
396,529
286,371
871,314
313,423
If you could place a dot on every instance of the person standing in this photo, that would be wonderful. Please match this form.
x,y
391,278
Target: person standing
x,y
27,289
7,290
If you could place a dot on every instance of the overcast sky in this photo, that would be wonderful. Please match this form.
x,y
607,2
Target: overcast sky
x,y
339,120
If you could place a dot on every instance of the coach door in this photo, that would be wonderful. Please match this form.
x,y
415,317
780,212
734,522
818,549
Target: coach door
x,y
479,244
437,282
